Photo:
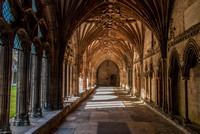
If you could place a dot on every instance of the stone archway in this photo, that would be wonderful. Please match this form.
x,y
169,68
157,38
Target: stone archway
x,y
108,74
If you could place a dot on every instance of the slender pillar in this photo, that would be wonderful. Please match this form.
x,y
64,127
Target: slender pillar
x,y
5,87
47,100
65,95
84,80
63,81
21,116
150,87
131,81
71,81
164,83
170,95
186,100
68,80
45,84
36,110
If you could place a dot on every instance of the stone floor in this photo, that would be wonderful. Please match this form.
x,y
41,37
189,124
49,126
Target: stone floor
x,y
113,111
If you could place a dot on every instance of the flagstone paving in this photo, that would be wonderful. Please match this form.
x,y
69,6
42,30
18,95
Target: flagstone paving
x,y
113,111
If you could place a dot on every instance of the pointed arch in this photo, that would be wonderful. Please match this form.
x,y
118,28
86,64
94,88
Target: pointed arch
x,y
192,50
5,32
174,57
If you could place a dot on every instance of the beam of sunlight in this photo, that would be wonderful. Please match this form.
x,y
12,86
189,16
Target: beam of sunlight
x,y
104,97
98,93
104,104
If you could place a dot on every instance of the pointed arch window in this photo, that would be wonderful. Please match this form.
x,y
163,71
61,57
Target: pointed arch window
x,y
34,6
39,32
7,14
33,51
44,54
17,43
1,42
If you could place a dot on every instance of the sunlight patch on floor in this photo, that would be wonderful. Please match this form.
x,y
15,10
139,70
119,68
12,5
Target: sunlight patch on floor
x,y
104,104
104,97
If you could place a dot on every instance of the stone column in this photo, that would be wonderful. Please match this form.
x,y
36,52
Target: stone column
x,y
186,100
150,86
65,95
74,79
21,117
84,80
146,86
71,80
63,81
47,101
36,110
45,84
131,81
68,80
170,96
5,87
159,93
164,83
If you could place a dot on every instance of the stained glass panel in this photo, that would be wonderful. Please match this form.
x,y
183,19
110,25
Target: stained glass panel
x,y
44,54
17,43
33,49
7,14
39,32
34,6
1,42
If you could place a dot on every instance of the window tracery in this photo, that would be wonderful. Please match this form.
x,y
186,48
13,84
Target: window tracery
x,y
17,43
33,51
7,13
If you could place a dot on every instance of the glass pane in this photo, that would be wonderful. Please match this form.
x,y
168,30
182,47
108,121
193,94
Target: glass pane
x,y
1,42
7,14
33,49
44,54
34,6
39,32
17,43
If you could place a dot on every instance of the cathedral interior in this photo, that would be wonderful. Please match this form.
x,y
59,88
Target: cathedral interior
x,y
99,66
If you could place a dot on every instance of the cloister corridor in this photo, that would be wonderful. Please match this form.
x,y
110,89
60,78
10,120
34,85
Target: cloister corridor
x,y
111,110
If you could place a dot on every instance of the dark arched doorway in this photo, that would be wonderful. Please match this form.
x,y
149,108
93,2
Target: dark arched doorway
x,y
108,74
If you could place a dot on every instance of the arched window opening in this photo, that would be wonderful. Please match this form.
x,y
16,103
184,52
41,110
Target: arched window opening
x,y
16,58
193,73
7,13
1,42
34,6
39,32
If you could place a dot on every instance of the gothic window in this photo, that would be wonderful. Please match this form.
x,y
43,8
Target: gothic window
x,y
33,49
39,32
34,6
1,42
44,54
17,43
7,14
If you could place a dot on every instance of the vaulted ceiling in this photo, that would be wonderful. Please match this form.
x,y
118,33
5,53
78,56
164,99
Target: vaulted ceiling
x,y
105,29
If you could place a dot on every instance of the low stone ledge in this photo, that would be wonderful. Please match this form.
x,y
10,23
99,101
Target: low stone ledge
x,y
167,117
53,118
